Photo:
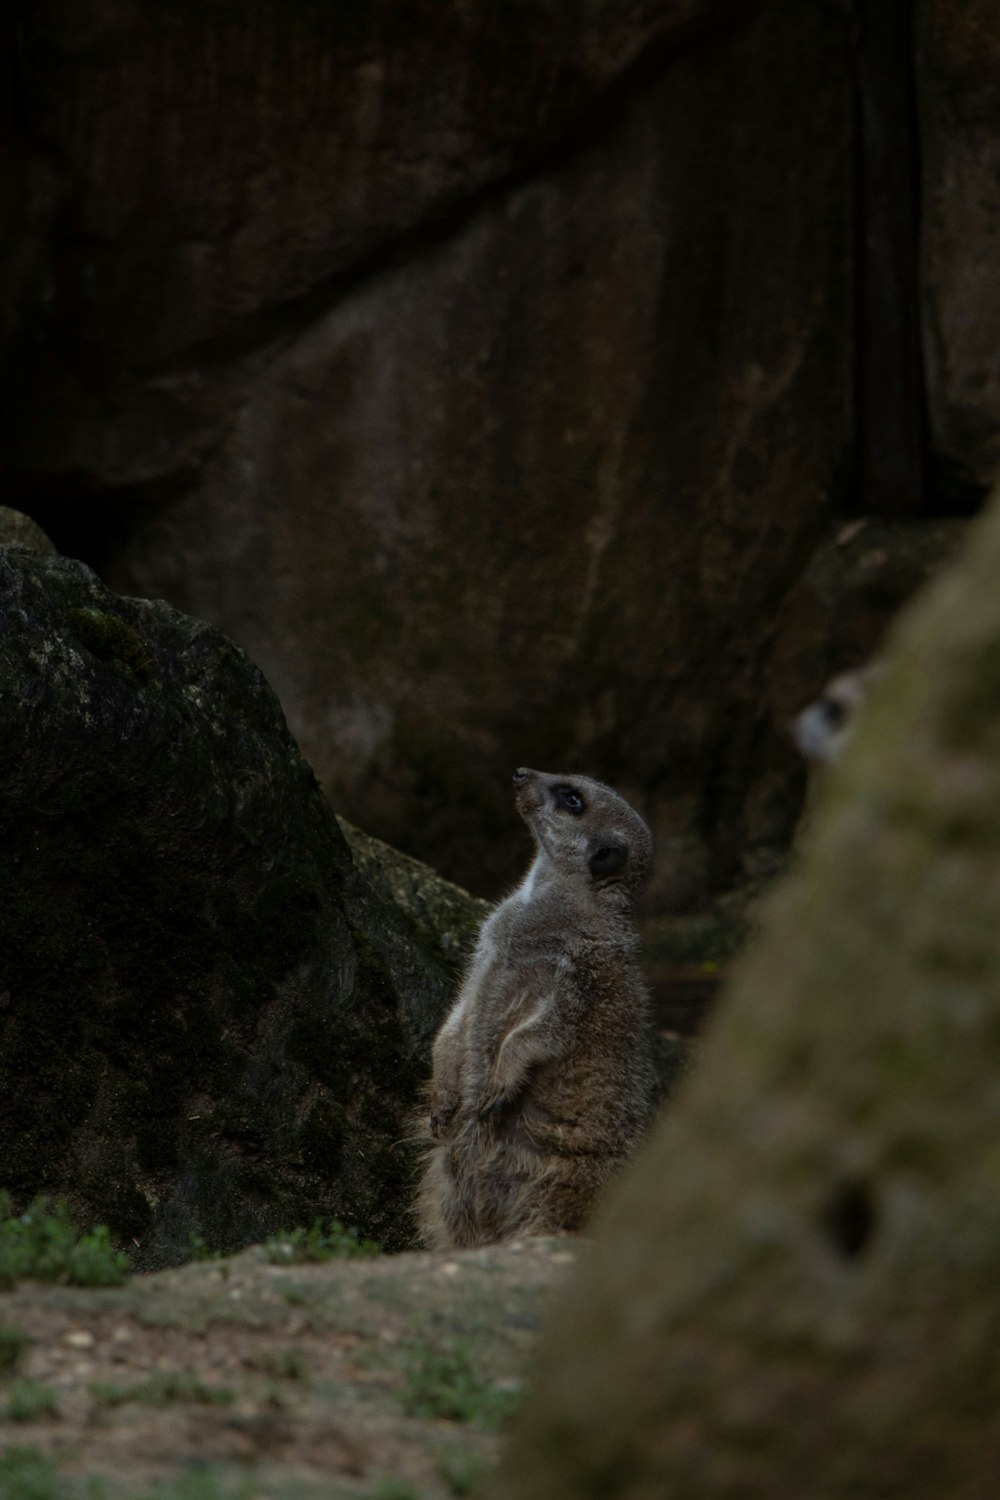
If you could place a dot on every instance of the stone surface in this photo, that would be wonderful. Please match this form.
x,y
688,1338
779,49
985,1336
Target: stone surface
x,y
794,1291
491,375
219,169
835,617
210,1022
542,483
19,530
958,60
446,918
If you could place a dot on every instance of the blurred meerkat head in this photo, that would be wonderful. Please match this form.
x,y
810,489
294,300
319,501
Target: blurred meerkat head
x,y
823,729
584,830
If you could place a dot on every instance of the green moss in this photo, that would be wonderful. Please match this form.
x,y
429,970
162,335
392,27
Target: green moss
x,y
110,638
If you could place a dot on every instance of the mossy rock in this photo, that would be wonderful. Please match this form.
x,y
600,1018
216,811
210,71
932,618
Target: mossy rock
x,y
19,530
794,1291
445,918
211,1022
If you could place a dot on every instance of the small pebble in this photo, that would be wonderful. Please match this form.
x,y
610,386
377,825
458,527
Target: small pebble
x,y
79,1338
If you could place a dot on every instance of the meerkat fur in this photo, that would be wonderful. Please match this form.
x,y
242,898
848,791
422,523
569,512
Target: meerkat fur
x,y
542,1072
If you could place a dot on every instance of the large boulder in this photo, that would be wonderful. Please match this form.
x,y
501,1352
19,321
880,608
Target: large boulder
x,y
794,1292
210,1022
189,182
542,479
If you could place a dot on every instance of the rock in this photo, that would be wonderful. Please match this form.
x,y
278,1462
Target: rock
x,y
535,508
958,59
834,618
19,530
210,1022
219,172
552,365
794,1291
446,918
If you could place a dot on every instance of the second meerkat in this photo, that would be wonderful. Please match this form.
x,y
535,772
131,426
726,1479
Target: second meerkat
x,y
542,1076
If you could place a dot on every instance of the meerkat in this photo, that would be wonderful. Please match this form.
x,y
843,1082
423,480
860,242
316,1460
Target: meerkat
x,y
542,1072
823,728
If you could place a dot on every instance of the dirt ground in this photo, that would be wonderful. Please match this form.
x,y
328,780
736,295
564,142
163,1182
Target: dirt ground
x,y
387,1378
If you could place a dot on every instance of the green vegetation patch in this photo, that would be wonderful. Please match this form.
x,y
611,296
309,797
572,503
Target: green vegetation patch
x,y
14,1344
335,1242
463,1473
44,1244
395,1489
442,1380
163,1389
26,1474
30,1401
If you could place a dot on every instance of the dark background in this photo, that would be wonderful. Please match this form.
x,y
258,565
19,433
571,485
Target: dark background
x,y
568,384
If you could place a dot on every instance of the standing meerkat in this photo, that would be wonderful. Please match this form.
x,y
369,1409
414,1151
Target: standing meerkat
x,y
543,1076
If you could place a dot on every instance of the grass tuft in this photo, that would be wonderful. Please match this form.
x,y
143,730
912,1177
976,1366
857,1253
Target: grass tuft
x,y
14,1344
163,1389
26,1474
44,1244
335,1242
443,1381
30,1401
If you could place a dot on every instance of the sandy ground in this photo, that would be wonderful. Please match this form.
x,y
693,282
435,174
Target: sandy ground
x,y
386,1378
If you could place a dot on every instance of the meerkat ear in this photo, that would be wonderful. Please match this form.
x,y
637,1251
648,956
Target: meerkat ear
x,y
604,859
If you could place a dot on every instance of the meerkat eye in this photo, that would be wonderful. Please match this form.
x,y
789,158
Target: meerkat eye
x,y
569,797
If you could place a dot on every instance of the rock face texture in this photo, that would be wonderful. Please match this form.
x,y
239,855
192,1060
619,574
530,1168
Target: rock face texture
x,y
492,374
794,1290
210,1022
401,390
959,55
19,530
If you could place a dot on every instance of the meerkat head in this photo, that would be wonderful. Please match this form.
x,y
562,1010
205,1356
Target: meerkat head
x,y
822,730
588,834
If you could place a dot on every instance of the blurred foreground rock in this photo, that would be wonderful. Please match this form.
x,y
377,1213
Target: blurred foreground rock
x,y
210,1022
794,1292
